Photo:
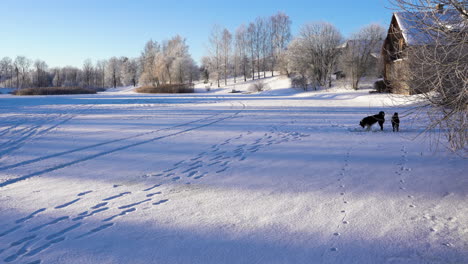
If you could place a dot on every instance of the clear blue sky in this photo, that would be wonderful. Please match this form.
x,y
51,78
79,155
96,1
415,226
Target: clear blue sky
x,y
66,32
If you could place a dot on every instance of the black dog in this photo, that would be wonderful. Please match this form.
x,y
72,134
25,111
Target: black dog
x,y
396,122
371,120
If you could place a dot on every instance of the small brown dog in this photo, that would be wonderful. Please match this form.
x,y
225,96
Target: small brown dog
x,y
396,123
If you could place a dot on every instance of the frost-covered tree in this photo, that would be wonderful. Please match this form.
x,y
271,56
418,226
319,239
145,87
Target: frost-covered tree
x,y
113,73
258,41
70,76
181,59
56,77
129,72
148,64
100,72
21,66
226,44
252,46
215,52
88,72
241,51
6,71
40,74
205,68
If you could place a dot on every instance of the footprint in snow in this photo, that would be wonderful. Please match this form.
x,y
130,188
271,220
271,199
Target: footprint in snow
x,y
11,230
192,173
84,193
24,219
95,230
67,204
116,196
178,163
161,202
153,194
152,187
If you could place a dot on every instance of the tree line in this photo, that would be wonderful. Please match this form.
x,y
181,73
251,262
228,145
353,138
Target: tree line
x,y
311,58
168,62
254,50
250,52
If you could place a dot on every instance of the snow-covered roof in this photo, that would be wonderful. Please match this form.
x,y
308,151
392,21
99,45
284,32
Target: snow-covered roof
x,y
364,43
418,28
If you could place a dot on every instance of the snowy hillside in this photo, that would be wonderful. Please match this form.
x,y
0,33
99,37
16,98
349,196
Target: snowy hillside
x,y
214,177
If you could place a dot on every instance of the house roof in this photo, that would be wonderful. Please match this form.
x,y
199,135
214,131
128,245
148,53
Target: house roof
x,y
422,28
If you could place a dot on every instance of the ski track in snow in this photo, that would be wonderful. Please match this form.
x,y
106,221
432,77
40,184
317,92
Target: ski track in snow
x,y
205,122
19,137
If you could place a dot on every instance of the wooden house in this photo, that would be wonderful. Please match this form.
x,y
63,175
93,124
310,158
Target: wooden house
x,y
412,30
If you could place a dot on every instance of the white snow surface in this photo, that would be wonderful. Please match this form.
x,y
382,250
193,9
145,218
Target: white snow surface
x,y
281,176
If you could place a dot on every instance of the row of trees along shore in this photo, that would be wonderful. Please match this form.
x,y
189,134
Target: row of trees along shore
x,y
255,50
166,63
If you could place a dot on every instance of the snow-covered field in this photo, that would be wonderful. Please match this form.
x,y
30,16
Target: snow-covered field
x,y
214,177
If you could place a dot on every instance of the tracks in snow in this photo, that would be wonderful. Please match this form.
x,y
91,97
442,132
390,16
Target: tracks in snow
x,y
22,132
38,234
154,136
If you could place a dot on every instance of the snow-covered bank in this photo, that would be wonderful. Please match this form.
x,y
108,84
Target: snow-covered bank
x,y
276,177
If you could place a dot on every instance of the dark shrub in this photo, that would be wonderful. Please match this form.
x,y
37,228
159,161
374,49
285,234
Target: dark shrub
x,y
54,91
381,86
300,82
167,88
99,89
258,87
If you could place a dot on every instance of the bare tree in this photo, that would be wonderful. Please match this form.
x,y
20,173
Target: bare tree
x,y
315,52
266,34
252,44
6,71
259,42
242,50
129,72
281,36
205,68
113,71
88,72
101,73
216,53
22,65
299,61
438,63
359,53
41,74
226,44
